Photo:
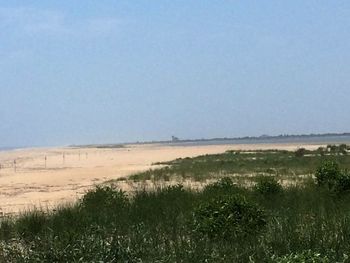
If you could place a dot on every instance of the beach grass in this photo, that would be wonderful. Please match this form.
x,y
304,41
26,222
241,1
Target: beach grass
x,y
223,222
286,164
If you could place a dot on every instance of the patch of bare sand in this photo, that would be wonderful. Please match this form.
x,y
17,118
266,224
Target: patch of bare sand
x,y
46,177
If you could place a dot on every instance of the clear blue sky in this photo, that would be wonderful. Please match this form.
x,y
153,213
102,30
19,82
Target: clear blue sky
x,y
112,71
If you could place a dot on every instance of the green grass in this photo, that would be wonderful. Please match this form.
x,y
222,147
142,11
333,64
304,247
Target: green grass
x,y
241,163
159,226
224,222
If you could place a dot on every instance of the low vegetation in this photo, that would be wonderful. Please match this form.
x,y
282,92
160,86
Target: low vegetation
x,y
331,176
248,163
223,222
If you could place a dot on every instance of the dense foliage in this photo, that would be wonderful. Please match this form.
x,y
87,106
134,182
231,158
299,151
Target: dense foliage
x,y
267,185
229,218
331,176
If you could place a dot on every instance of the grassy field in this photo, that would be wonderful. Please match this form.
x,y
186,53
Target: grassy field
x,y
223,222
246,165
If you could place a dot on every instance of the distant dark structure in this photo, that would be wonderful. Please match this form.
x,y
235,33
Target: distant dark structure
x,y
175,139
264,136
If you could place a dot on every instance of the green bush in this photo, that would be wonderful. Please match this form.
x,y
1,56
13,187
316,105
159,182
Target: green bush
x,y
228,218
343,149
321,151
300,152
267,185
104,197
223,186
166,204
6,228
31,224
67,220
328,174
343,182
104,205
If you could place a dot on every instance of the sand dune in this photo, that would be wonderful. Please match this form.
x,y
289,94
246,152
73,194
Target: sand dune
x,y
46,177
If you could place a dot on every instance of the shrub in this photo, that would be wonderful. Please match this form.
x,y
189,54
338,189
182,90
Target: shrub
x,y
343,149
267,185
173,200
31,223
300,152
66,220
104,196
343,182
229,217
332,148
321,151
6,228
223,186
328,174
104,202
166,205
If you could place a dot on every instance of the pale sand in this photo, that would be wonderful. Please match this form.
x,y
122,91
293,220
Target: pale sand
x,y
65,179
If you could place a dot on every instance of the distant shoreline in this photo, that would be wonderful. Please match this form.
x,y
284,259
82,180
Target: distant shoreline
x,y
5,149
255,139
326,138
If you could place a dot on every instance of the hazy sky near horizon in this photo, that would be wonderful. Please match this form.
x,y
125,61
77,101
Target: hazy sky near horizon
x,y
112,71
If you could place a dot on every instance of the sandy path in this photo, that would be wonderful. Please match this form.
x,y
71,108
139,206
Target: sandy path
x,y
69,172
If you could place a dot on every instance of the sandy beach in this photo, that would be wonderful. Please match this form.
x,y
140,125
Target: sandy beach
x,y
46,177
